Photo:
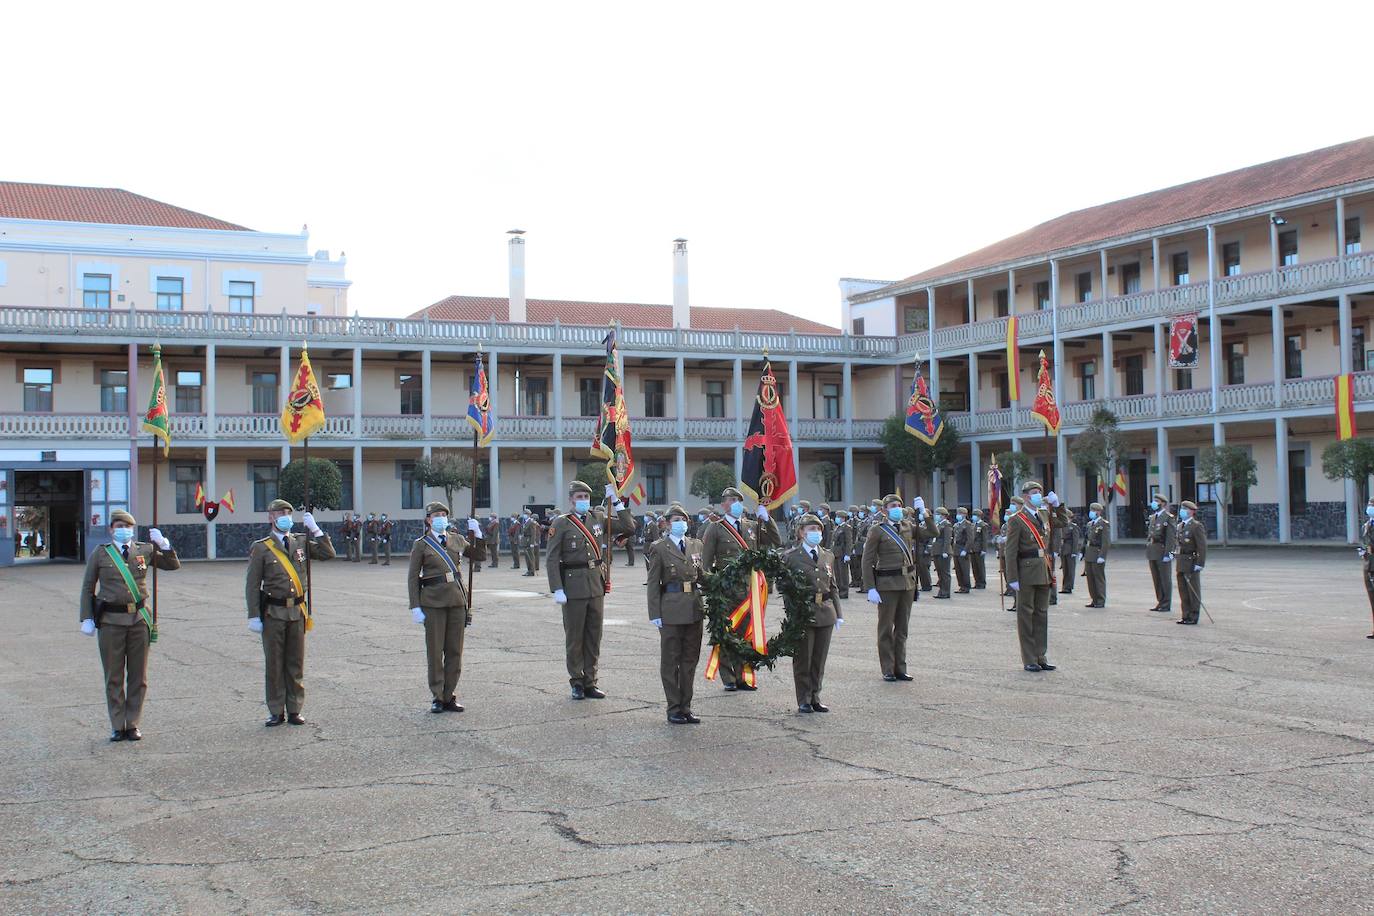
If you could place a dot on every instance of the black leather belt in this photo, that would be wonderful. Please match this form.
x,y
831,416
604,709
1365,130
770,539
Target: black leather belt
x,y
1029,554
428,581
675,588
576,565
899,571
293,601
109,607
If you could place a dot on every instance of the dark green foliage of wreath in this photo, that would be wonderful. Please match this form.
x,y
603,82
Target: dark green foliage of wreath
x,y
725,589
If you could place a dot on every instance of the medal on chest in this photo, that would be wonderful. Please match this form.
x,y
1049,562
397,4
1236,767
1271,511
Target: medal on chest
x,y
300,554
142,563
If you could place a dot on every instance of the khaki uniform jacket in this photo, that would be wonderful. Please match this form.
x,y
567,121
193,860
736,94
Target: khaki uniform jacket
x,y
718,545
827,531
944,539
924,532
266,574
963,536
529,533
842,543
670,568
881,552
1192,544
1161,536
568,546
1072,541
821,574
103,581
980,535
1025,560
426,564
1097,541
1367,539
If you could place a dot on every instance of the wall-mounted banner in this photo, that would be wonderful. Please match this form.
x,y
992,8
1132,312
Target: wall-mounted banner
x,y
1183,342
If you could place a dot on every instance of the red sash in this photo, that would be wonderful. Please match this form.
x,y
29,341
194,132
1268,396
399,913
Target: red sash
x,y
1040,540
596,548
743,544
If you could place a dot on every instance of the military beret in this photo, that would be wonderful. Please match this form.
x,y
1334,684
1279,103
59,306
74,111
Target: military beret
x,y
281,504
844,512
808,519
853,508
1068,513
891,498
578,486
731,491
977,513
436,506
804,503
825,506
941,510
1189,505
678,511
1031,485
962,510
1015,501
119,515
1096,507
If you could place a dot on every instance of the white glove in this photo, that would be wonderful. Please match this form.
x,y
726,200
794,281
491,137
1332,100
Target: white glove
x,y
918,503
846,558
1053,499
255,624
1015,586
610,491
1197,569
944,556
763,513
874,597
308,520
1102,559
475,528
1168,558
88,627
658,622
839,622
963,553
560,597
417,615
1360,551
156,537
1078,556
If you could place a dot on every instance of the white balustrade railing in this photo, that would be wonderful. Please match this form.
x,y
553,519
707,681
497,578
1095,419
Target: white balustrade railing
x,y
1299,392
64,425
657,428
1192,402
393,426
868,430
1251,396
248,425
710,428
826,428
187,426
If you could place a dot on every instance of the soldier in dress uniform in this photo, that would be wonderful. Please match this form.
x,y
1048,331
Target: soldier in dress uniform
x,y
841,544
963,547
827,525
492,540
723,540
1191,557
120,617
1366,553
1161,543
384,529
858,528
978,553
925,531
1097,540
371,530
1070,552
677,609
529,541
350,536
577,578
275,595
1014,505
1028,565
439,602
889,577
940,548
818,566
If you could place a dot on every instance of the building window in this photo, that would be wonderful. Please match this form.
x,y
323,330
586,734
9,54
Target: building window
x,y
1003,300
1042,294
483,494
1003,390
656,482
412,491
1178,267
1357,363
241,296
1133,372
1288,248
114,390
1352,235
345,467
913,319
1235,363
1187,478
412,394
1087,380
1240,501
1292,356
264,485
1297,482
38,390
264,386
1230,259
654,391
830,400
337,381
589,396
536,395
95,291
187,398
715,398
169,293
186,477
857,328
1130,278
1183,379
1085,286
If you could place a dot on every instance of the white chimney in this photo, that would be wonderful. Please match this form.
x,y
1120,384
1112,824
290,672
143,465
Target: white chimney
x,y
682,310
517,276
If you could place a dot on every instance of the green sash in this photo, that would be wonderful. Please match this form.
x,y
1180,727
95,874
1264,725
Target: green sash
x,y
123,568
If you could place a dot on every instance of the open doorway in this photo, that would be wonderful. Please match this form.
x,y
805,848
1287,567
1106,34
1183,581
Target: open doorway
x,y
50,515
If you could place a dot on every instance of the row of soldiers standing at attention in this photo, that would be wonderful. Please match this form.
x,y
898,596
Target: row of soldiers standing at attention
x,y
373,532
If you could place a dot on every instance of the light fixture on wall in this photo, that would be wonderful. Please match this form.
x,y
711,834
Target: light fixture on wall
x,y
1278,220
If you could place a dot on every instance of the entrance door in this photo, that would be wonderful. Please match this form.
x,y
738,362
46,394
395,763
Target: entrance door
x,y
1135,508
50,514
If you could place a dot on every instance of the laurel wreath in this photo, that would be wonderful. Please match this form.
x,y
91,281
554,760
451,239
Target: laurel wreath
x,y
726,588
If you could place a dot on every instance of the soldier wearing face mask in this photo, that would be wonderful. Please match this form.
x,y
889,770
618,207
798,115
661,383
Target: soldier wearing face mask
x,y
677,609
529,541
1097,540
1161,543
439,602
1366,553
722,541
817,565
889,577
1192,556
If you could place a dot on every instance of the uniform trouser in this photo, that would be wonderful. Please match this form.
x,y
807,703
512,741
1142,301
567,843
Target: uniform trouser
x,y
372,549
531,560
386,551
923,570
1067,567
351,545
124,656
856,568
962,570
808,665
1159,572
582,618
1369,590
1189,587
444,628
1097,582
630,551
894,617
730,668
283,649
515,552
980,569
942,574
842,578
1033,622
680,650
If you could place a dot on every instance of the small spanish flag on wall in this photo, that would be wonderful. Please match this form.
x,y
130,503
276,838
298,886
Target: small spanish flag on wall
x,y
1345,407
1013,363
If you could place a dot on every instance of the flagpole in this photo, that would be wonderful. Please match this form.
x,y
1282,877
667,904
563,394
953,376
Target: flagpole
x,y
473,515
309,591
154,525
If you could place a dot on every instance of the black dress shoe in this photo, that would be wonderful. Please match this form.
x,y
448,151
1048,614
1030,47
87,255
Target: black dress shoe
x,y
594,693
805,707
1032,667
133,734
904,677
578,693
117,735
453,705
1046,666
436,706
819,707
942,596
1163,610
730,687
677,719
1370,636
744,686
1091,604
691,718
889,677
274,720
961,591
294,718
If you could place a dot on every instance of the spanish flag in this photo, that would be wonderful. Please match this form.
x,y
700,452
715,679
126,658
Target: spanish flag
x,y
303,412
1045,409
1013,363
1345,407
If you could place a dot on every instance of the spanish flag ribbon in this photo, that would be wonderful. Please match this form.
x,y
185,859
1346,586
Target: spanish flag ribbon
x,y
1013,363
1345,407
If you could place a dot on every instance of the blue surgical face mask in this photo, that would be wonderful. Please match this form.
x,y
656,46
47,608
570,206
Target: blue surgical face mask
x,y
1012,510
678,528
863,514
895,514
122,535
1092,515
1037,500
820,514
1185,514
737,509
1369,511
960,518
582,505
813,538
439,524
283,523
1154,505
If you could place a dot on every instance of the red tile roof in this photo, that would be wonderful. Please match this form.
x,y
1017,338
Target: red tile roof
x,y
1247,187
20,200
629,314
